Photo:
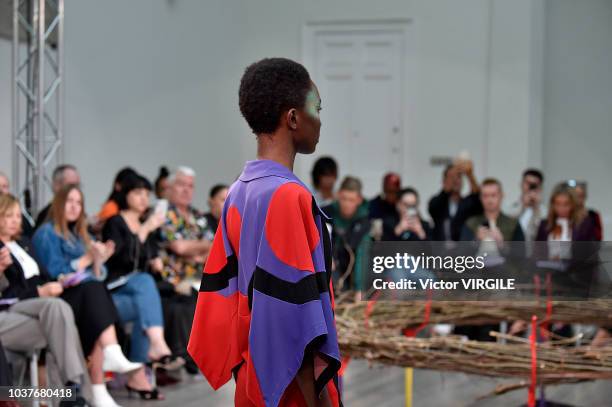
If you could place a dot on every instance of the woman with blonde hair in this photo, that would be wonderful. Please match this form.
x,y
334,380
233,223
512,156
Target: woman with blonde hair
x,y
30,317
565,220
73,258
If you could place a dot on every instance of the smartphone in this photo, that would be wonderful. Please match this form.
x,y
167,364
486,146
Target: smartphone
x,y
411,212
161,207
75,279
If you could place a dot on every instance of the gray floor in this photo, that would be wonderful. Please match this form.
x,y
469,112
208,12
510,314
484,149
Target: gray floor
x,y
384,387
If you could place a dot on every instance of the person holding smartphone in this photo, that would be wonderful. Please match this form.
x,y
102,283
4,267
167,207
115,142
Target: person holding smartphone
x,y
406,223
449,209
493,225
529,208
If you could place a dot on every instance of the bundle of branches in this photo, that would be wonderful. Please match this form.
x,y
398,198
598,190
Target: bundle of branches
x,y
401,314
556,361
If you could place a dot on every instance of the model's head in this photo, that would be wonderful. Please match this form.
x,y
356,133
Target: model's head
x,y
277,93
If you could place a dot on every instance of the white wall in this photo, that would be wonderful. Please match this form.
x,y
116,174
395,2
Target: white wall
x,y
578,98
155,82
473,60
150,83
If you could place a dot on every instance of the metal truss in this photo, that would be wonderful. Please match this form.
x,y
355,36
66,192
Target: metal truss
x,y
37,97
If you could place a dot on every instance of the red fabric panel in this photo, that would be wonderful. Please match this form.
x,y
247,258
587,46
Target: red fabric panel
x,y
233,224
289,215
217,259
248,394
212,343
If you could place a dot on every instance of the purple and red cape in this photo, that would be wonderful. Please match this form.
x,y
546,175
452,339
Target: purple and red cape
x,y
266,298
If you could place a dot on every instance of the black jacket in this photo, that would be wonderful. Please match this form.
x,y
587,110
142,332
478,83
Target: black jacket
x,y
18,286
468,206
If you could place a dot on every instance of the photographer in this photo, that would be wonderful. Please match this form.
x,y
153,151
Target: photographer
x,y
529,209
448,209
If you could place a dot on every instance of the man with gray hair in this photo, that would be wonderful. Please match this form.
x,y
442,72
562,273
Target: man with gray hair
x,y
185,248
65,174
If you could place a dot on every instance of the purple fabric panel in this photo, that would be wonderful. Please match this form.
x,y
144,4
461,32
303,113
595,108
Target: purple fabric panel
x,y
279,334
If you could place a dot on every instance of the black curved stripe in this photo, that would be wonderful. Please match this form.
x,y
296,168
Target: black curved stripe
x,y
220,280
307,289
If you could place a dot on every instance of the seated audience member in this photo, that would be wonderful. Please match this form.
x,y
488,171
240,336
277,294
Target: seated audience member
x,y
63,175
493,228
6,378
324,175
406,223
186,246
216,200
565,223
69,255
581,197
565,220
110,207
161,183
350,233
133,289
493,224
384,204
184,230
36,319
27,228
529,209
5,185
449,210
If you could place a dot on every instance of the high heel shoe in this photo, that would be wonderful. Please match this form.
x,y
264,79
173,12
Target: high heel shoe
x,y
115,361
167,362
153,394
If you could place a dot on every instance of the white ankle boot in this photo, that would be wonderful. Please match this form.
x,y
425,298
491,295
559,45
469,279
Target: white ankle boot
x,y
101,396
115,361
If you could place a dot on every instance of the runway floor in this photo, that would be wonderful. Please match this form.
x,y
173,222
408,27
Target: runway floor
x,y
384,387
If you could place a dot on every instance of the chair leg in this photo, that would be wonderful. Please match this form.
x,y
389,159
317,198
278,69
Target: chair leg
x,y
23,368
34,374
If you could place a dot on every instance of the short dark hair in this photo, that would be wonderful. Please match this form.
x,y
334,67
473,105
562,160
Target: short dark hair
x,y
120,178
323,166
350,183
534,172
162,175
408,190
270,87
492,181
216,189
446,170
58,172
130,183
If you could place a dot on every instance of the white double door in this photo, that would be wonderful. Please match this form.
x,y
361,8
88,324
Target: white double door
x,y
359,75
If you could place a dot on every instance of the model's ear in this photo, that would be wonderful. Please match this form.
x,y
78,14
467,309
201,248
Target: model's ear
x,y
292,119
